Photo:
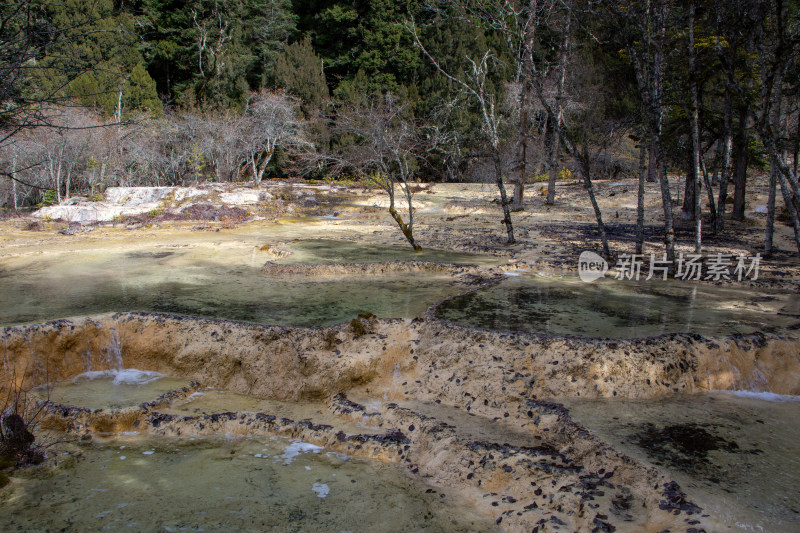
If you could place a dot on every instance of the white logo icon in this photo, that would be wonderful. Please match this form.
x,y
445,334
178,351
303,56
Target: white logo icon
x,y
591,266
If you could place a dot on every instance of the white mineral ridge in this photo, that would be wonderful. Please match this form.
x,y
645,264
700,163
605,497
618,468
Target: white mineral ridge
x,y
136,196
243,197
184,193
118,201
123,201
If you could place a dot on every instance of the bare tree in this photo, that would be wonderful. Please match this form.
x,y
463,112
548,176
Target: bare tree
x,y
581,156
584,116
473,82
561,76
694,115
271,120
643,32
56,157
777,60
386,146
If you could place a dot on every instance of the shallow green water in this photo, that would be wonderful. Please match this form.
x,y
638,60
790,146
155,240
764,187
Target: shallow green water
x,y
226,484
208,281
737,455
128,482
113,389
620,309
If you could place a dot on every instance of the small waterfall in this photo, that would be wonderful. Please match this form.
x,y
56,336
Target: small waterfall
x,y
758,382
737,372
87,360
112,354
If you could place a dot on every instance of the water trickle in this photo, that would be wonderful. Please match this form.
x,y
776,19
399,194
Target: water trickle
x,y
86,358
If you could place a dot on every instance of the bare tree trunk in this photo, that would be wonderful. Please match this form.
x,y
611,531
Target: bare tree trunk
x,y
725,165
260,165
652,164
68,181
788,200
525,102
768,237
666,201
711,205
14,181
407,229
583,163
587,180
727,127
555,140
555,149
654,86
797,144
790,188
58,181
643,168
476,86
740,167
498,176
687,207
696,148
517,204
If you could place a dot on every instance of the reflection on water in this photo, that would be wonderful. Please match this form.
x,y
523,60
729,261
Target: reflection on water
x,y
217,282
736,455
322,251
242,484
619,309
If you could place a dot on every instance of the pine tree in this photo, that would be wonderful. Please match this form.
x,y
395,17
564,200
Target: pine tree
x,y
299,70
217,50
106,48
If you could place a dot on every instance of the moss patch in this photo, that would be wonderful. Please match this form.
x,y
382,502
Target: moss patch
x,y
358,327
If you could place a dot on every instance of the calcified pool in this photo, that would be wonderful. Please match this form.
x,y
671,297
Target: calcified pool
x,y
219,281
737,455
128,483
110,389
620,309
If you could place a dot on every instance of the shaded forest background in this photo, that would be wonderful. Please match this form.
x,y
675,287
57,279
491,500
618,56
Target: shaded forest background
x,y
165,92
